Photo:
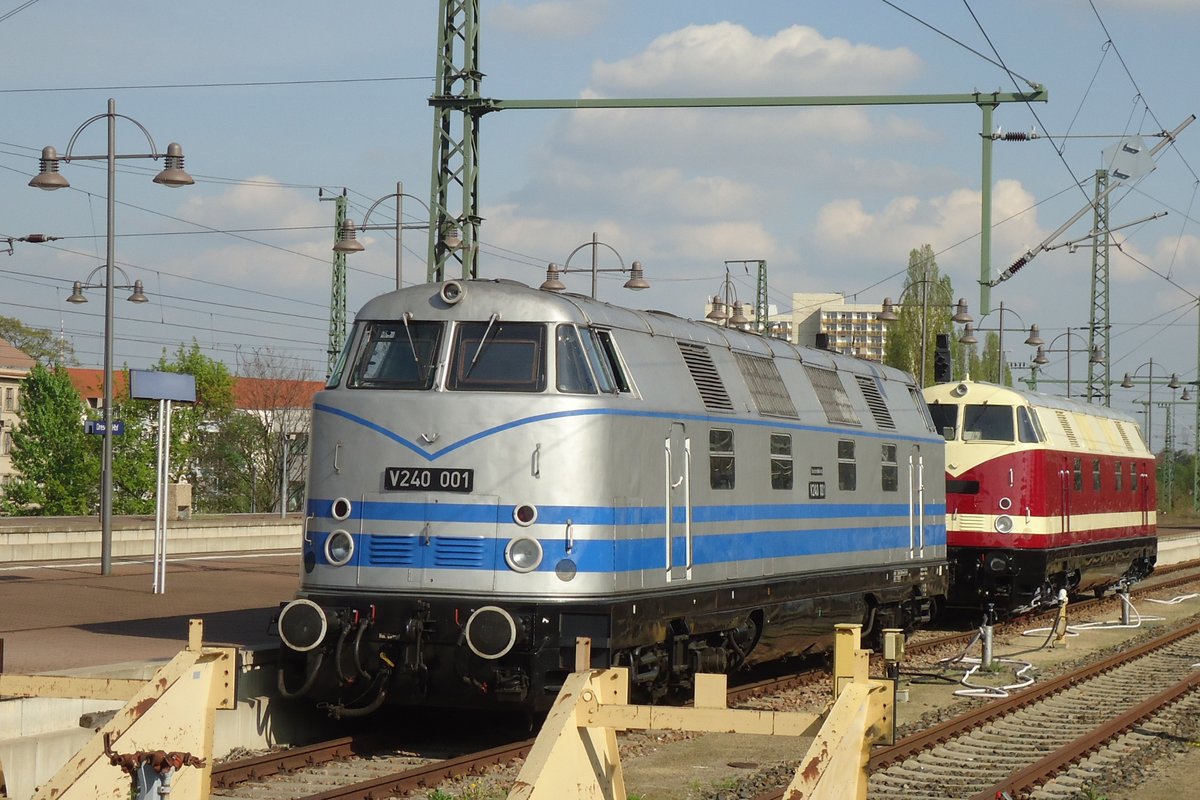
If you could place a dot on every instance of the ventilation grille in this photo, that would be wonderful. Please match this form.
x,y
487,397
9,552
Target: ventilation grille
x,y
1066,426
875,402
391,551
765,384
704,373
458,553
832,395
1124,437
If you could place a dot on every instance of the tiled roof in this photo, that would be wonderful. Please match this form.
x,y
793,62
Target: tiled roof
x,y
249,394
12,358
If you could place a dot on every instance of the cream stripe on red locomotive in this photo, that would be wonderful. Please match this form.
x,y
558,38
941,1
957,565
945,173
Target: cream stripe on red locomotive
x,y
1033,525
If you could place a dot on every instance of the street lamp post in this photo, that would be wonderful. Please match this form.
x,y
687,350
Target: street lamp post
x,y
727,310
1131,379
1033,340
961,315
1041,359
637,276
49,178
348,243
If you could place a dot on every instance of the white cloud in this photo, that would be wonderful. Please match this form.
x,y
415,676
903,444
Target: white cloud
x,y
726,58
559,19
259,202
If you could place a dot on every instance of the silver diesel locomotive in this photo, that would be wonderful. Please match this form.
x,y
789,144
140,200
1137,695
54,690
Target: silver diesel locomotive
x,y
497,470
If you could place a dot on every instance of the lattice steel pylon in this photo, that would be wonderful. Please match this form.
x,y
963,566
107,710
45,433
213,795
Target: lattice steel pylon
x,y
455,156
337,290
1099,383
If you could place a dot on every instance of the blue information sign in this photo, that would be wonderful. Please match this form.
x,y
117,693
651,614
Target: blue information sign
x,y
96,426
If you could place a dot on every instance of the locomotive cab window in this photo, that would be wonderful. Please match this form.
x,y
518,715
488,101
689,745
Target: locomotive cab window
x,y
1078,472
987,423
611,356
781,461
847,467
720,458
1026,426
945,419
1118,474
571,363
495,356
397,355
1096,483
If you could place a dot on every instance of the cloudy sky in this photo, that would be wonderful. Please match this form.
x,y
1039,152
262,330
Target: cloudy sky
x,y
274,101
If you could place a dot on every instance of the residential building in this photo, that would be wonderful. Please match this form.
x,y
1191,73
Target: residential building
x,y
851,328
14,367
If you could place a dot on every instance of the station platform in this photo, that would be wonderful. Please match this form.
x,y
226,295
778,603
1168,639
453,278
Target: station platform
x,y
66,615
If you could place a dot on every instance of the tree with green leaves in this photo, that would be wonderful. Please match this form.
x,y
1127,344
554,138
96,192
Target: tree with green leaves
x,y
40,344
984,367
926,301
58,467
193,428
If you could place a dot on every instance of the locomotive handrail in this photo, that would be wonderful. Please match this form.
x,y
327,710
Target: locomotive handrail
x,y
687,506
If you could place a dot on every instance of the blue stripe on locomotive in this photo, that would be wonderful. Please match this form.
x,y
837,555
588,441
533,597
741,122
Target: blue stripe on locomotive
x,y
631,555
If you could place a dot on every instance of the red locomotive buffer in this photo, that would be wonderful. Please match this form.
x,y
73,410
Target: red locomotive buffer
x,y
1042,494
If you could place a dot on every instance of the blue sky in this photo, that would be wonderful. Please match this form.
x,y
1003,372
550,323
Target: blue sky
x,y
833,199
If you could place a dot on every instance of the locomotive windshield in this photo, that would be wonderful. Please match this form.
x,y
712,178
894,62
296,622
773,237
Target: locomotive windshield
x,y
397,355
495,356
989,423
945,419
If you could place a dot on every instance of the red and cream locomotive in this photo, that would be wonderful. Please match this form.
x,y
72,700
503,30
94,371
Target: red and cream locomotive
x,y
1042,494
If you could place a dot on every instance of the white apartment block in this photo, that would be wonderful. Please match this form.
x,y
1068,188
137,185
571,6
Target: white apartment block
x,y
852,328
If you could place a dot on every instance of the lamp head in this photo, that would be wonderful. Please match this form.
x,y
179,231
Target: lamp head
x,y
1041,357
77,295
717,312
960,313
139,294
173,174
739,316
48,176
1174,382
1127,383
552,282
968,336
347,241
453,238
637,278
1097,355
889,312
1035,337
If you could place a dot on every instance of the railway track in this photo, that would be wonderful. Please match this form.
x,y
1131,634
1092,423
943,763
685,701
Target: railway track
x,y
347,768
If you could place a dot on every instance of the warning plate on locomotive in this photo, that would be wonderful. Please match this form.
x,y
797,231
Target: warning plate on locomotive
x,y
428,479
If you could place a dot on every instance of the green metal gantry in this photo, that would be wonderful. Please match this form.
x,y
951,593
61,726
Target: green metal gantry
x,y
1099,383
457,99
337,291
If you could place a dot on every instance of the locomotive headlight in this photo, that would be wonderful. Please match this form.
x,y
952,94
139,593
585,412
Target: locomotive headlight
x,y
1004,524
997,563
339,547
523,554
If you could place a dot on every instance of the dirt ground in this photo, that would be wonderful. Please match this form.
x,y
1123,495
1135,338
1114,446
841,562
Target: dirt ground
x,y
706,764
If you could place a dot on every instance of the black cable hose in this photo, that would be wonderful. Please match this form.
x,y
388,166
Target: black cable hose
x,y
309,682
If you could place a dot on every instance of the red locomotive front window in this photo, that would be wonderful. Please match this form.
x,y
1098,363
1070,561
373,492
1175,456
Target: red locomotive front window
x,y
987,423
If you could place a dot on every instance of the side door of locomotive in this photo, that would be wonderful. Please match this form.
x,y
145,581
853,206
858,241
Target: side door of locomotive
x,y
677,493
916,503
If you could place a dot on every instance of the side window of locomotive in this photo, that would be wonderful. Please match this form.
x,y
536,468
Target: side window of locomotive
x,y
600,366
397,355
1026,432
987,423
847,468
612,357
945,419
1078,471
1133,476
1118,475
1095,474
335,377
781,461
570,363
720,458
497,356
890,469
